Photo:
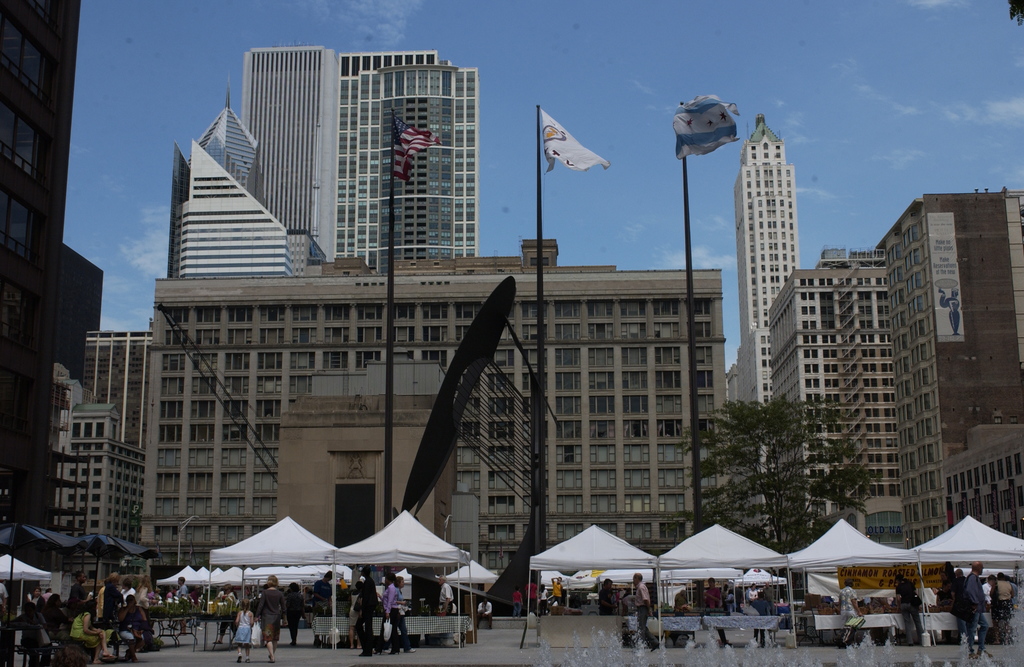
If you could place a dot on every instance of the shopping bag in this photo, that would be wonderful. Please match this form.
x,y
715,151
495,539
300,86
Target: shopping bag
x,y
387,630
257,634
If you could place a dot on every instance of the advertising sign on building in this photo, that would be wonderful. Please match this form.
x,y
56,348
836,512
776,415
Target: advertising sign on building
x,y
949,326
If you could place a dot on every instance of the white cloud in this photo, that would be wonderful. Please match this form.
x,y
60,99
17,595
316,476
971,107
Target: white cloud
x,y
645,89
704,257
1009,112
631,232
374,22
147,251
999,112
817,193
872,94
899,158
936,4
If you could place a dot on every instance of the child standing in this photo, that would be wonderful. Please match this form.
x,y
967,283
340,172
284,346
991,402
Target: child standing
x,y
243,636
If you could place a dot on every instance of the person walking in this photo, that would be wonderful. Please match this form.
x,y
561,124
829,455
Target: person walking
x,y
390,603
643,610
294,603
243,633
402,608
978,625
849,609
269,611
367,605
517,602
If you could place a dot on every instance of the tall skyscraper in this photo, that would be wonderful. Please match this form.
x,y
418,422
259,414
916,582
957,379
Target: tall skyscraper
x,y
436,212
289,103
219,225
767,251
225,231
37,80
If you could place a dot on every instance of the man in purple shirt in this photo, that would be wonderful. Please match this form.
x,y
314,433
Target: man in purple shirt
x,y
974,594
390,602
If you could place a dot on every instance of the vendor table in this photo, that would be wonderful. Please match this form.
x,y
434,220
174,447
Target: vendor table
x,y
216,621
171,628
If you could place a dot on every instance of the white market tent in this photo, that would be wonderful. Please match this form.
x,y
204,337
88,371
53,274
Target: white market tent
x,y
474,573
842,545
594,547
284,543
404,541
720,547
756,576
232,575
971,540
22,571
192,578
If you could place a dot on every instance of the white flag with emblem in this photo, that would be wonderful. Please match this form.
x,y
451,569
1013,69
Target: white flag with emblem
x,y
560,145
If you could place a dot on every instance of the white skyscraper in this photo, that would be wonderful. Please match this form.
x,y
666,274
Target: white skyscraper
x,y
226,231
330,140
767,251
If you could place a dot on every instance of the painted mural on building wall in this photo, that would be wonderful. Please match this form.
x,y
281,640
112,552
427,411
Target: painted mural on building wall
x,y
949,325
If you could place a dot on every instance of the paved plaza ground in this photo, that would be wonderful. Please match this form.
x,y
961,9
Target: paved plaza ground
x,y
501,647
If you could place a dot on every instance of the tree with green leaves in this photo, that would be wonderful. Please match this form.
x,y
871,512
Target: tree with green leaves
x,y
778,465
1017,11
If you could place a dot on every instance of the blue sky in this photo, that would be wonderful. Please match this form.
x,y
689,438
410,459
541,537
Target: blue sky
x,y
879,102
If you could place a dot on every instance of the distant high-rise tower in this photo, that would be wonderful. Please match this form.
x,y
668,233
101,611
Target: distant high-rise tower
x,y
289,103
335,160
767,251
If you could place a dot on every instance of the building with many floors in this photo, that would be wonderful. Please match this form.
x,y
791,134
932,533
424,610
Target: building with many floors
x,y
307,101
617,383
830,341
37,80
767,251
117,371
955,268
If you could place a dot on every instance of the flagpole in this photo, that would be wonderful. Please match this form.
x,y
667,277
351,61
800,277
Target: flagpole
x,y
538,494
389,333
698,520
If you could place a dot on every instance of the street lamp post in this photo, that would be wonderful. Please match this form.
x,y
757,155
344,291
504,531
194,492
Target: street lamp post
x,y
181,528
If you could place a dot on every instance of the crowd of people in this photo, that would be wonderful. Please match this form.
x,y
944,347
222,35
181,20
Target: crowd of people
x,y
967,596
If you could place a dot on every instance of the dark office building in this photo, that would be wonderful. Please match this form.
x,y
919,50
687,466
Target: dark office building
x,y
37,80
79,301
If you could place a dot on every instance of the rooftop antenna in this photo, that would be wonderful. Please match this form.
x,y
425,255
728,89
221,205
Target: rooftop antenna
x,y
227,98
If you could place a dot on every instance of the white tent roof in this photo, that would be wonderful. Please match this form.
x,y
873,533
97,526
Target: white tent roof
x,y
843,544
594,547
192,578
759,576
22,571
474,573
284,543
720,547
232,575
971,540
404,541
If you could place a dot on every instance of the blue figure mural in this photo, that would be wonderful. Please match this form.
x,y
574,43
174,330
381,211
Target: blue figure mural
x,y
953,303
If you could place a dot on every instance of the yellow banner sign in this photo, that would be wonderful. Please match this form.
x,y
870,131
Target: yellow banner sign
x,y
873,577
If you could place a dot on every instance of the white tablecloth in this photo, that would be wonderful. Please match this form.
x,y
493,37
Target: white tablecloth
x,y
836,622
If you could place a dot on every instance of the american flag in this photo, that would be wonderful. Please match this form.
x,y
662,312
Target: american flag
x,y
408,141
